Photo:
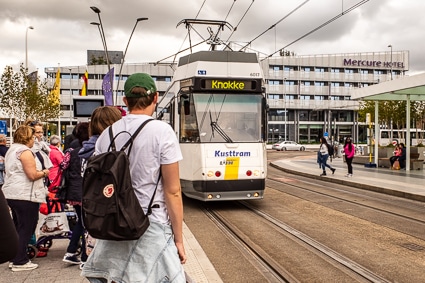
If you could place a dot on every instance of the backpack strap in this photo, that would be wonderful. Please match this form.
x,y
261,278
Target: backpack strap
x,y
130,140
153,196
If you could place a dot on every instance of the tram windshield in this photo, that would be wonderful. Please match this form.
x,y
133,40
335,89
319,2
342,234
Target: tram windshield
x,y
223,118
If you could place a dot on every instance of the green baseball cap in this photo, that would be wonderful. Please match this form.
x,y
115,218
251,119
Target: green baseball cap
x,y
139,80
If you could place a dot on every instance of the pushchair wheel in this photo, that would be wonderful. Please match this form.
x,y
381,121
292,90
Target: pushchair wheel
x,y
31,251
44,242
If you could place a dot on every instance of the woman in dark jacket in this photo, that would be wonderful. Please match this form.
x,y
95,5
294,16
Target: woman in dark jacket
x,y
74,182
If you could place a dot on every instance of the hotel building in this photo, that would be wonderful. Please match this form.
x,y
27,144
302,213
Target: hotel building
x,y
308,96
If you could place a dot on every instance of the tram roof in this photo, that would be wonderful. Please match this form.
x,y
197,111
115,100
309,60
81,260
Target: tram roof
x,y
219,56
399,89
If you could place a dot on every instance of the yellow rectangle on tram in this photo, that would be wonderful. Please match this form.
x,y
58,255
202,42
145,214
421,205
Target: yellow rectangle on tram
x,y
232,168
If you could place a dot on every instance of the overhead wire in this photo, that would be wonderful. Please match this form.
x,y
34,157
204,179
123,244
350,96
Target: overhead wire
x,y
293,11
243,16
184,40
225,19
358,4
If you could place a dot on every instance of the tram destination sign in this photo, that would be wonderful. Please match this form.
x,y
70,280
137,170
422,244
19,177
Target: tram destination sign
x,y
227,84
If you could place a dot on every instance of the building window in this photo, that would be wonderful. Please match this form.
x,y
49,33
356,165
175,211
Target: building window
x,y
275,82
274,96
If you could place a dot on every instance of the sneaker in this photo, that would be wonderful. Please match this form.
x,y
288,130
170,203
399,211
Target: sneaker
x,y
71,258
347,175
350,175
24,267
10,265
333,170
82,265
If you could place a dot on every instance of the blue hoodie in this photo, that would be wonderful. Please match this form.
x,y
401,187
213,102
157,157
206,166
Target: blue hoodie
x,y
86,151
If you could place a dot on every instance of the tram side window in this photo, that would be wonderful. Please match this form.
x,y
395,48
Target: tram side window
x,y
189,131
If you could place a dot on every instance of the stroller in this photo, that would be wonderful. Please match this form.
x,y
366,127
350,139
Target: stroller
x,y
44,242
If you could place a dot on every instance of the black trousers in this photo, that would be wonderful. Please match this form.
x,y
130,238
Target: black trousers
x,y
349,164
393,159
8,235
25,217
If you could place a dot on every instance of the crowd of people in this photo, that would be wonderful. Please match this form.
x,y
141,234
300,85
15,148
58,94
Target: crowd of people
x,y
32,168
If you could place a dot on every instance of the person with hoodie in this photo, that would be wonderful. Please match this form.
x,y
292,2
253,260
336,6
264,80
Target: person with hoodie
x,y
101,118
74,184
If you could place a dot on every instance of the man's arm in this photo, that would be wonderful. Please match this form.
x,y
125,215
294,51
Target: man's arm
x,y
173,199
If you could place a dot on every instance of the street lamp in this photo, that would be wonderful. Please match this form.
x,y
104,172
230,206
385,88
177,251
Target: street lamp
x,y
102,34
391,60
125,52
103,40
284,97
26,47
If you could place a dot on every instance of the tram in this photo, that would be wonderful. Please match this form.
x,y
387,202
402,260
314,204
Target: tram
x,y
216,105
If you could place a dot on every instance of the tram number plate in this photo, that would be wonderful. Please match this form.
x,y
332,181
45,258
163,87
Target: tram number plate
x,y
226,162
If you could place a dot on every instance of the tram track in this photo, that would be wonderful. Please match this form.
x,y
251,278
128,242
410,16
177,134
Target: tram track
x,y
415,220
273,270
401,215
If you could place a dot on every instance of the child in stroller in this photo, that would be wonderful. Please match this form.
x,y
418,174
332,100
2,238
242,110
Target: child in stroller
x,y
50,233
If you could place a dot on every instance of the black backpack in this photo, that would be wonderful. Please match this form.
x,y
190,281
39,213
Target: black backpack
x,y
331,150
111,210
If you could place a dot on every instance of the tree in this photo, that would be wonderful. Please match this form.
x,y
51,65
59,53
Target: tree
x,y
22,97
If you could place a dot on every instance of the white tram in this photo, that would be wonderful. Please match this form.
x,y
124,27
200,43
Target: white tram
x,y
217,107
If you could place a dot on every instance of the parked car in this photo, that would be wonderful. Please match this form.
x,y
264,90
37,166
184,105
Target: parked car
x,y
288,145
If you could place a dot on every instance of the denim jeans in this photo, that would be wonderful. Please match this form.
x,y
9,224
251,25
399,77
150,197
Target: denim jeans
x,y
152,258
77,234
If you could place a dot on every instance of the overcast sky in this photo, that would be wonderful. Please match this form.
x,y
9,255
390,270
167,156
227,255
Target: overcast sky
x,y
62,31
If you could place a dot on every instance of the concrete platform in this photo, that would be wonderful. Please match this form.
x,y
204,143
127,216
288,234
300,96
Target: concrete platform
x,y
402,183
53,269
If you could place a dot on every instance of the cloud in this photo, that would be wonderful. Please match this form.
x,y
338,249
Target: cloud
x,y
62,32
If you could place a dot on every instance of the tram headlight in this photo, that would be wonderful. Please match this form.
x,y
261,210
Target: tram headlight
x,y
210,196
256,194
210,174
256,173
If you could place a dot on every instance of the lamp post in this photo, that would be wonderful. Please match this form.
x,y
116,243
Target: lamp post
x,y
125,52
102,36
26,47
102,33
284,97
391,60
103,41
70,97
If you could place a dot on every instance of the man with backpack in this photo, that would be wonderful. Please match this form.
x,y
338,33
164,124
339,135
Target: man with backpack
x,y
158,255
